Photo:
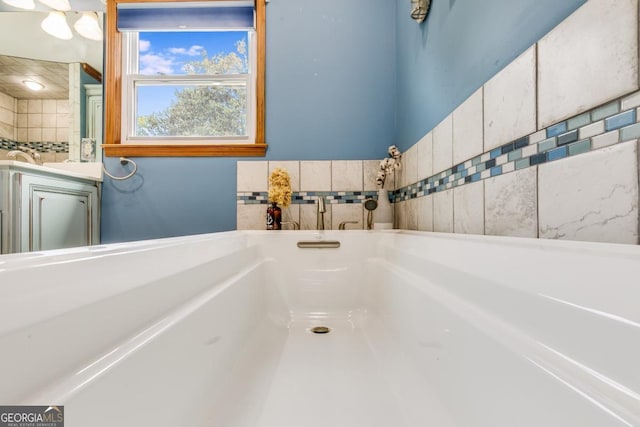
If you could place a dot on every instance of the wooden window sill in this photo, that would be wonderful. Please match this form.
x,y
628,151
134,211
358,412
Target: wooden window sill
x,y
158,150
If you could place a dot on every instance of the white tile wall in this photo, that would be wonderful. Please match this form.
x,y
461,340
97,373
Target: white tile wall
x,y
591,197
468,128
292,168
315,176
468,201
347,212
42,120
308,217
443,211
443,145
252,176
409,169
425,156
510,102
425,213
511,204
370,170
251,217
346,175
595,48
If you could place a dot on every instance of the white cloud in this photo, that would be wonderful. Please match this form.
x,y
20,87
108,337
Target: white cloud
x,y
155,64
194,50
144,45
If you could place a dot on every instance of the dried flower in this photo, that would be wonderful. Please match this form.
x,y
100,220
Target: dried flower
x,y
280,187
388,165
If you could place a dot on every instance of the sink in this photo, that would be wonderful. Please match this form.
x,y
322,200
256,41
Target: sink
x,y
89,169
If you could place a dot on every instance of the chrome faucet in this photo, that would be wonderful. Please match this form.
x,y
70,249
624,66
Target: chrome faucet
x,y
321,211
344,223
295,224
31,157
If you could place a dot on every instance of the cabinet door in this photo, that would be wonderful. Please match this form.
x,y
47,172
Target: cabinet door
x,y
57,214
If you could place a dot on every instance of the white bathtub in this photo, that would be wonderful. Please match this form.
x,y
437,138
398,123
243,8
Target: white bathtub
x,y
426,330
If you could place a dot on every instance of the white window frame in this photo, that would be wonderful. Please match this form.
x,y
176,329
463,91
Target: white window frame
x,y
131,77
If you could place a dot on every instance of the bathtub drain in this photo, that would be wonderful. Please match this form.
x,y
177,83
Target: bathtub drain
x,y
320,330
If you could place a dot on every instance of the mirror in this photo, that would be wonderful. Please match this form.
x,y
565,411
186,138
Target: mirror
x,y
53,120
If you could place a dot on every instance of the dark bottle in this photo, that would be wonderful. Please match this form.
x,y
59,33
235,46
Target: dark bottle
x,y
274,217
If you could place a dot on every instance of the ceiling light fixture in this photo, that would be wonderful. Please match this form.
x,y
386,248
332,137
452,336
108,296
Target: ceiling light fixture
x,y
33,85
61,5
56,24
88,26
21,4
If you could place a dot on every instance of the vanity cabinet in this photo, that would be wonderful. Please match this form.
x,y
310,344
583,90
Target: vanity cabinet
x,y
41,210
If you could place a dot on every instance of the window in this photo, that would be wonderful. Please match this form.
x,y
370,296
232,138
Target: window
x,y
191,79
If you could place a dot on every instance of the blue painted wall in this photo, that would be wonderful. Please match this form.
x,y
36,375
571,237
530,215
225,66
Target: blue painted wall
x,y
344,80
330,95
460,46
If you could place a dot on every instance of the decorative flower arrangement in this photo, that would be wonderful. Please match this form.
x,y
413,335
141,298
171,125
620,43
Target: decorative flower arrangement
x,y
388,165
280,187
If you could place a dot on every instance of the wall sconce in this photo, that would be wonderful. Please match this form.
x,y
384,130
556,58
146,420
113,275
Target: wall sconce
x,y
88,26
56,24
21,4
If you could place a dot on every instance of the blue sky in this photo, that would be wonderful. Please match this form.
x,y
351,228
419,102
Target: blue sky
x,y
167,52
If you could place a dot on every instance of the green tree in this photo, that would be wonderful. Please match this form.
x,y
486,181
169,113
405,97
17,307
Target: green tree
x,y
217,109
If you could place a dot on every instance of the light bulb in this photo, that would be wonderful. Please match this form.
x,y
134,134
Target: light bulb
x,y
88,26
33,85
21,4
56,24
61,5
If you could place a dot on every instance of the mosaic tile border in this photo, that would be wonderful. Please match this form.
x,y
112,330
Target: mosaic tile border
x,y
40,147
609,124
309,197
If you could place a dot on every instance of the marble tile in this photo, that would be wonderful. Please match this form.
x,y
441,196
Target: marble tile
x,y
425,156
510,102
370,170
34,106
409,167
588,59
293,169
511,201
7,116
7,131
49,120
412,214
34,134
3,154
468,203
34,120
290,213
347,212
7,102
49,106
22,135
400,215
591,197
252,176
63,106
315,176
23,106
443,145
251,217
468,128
425,213
62,135
49,134
346,175
443,211
308,217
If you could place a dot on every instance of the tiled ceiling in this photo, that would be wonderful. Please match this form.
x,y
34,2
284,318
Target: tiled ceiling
x,y
53,75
